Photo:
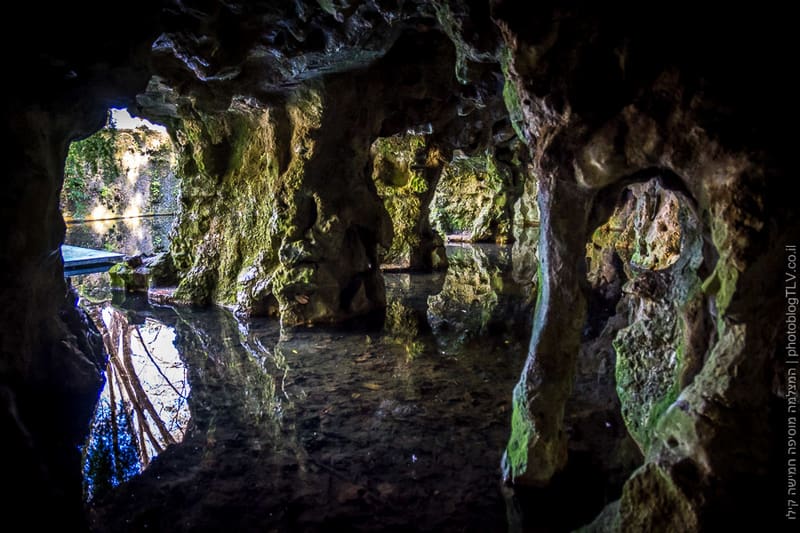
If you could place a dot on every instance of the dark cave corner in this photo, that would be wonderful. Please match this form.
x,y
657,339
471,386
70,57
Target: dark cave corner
x,y
629,162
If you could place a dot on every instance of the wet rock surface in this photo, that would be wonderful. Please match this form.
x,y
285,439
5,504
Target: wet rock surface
x,y
473,200
589,143
406,172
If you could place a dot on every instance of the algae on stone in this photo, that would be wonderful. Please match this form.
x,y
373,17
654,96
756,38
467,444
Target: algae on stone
x,y
473,200
406,171
656,237
115,173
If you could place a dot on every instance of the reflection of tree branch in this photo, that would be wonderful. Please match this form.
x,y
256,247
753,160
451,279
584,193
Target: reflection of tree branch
x,y
158,368
137,438
140,438
137,408
114,426
141,395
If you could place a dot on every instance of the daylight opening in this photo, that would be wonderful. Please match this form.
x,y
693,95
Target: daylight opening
x,y
120,190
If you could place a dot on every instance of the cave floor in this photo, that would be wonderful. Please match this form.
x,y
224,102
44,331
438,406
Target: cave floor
x,y
399,428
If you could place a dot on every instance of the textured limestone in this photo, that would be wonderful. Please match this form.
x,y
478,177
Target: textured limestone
x,y
406,172
473,200
645,116
655,238
604,95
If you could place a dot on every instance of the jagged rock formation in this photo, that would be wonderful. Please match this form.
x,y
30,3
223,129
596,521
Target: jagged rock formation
x,y
473,200
674,112
603,96
406,172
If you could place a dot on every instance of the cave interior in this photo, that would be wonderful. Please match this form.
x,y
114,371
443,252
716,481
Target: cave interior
x,y
633,158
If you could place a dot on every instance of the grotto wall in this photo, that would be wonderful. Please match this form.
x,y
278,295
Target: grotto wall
x,y
473,202
280,214
51,362
406,171
664,101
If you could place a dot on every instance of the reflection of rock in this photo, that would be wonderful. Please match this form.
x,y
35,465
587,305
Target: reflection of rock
x,y
526,237
402,326
131,236
475,299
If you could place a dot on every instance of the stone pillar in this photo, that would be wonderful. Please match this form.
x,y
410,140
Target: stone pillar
x,y
537,447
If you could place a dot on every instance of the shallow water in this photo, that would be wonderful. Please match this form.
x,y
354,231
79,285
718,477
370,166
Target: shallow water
x,y
400,428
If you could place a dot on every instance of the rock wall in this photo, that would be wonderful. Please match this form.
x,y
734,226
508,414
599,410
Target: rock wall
x,y
267,224
648,112
473,200
50,361
280,211
603,95
407,172
646,258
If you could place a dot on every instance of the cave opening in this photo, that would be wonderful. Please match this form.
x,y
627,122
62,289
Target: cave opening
x,y
121,191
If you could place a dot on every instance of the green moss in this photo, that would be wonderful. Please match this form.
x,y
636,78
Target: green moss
x,y
472,200
238,209
511,96
123,277
522,433
399,173
93,156
327,6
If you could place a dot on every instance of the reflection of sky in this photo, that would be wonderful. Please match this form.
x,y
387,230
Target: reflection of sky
x,y
125,121
162,375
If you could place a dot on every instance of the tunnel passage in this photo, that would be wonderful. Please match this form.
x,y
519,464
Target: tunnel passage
x,y
120,188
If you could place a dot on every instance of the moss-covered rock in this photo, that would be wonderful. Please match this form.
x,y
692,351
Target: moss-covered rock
x,y
473,200
656,237
406,171
269,222
115,173
130,276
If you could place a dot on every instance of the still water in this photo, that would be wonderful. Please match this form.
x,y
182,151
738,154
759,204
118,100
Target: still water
x,y
208,423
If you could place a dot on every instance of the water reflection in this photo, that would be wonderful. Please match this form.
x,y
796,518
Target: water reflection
x,y
479,296
327,429
143,406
